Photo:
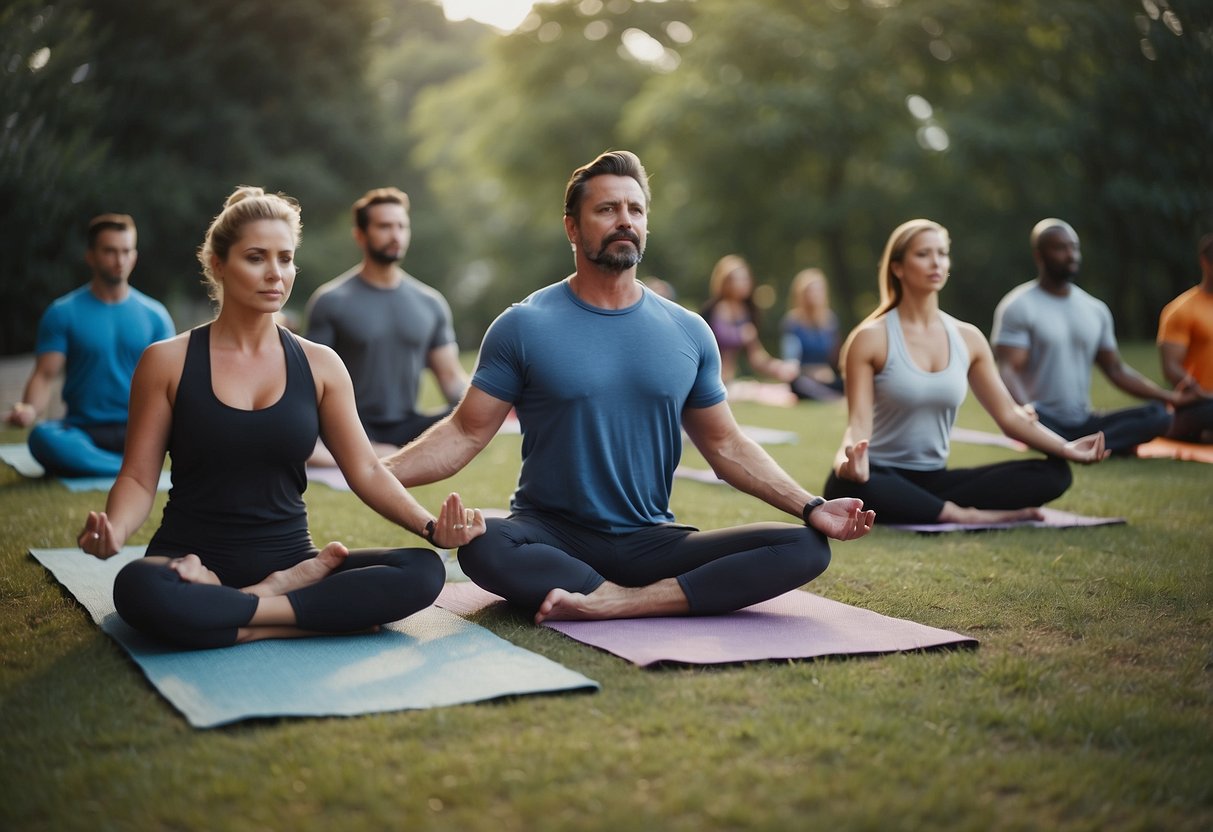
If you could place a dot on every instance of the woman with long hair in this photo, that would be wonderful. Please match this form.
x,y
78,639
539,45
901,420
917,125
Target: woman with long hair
x,y
811,338
733,316
908,367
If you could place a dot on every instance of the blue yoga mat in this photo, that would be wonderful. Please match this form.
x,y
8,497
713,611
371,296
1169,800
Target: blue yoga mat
x,y
430,659
22,461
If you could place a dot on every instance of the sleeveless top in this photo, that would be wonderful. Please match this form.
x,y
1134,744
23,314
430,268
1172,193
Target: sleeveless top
x,y
238,475
914,410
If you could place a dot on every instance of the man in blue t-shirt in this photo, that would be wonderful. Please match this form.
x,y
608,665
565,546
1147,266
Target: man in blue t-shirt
x,y
605,375
93,336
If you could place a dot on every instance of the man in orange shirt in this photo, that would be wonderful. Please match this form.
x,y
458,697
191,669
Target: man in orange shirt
x,y
1185,344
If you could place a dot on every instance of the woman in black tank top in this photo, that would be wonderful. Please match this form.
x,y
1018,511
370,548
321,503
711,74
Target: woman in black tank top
x,y
238,404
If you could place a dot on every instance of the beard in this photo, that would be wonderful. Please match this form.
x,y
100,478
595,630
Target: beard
x,y
617,261
111,279
385,256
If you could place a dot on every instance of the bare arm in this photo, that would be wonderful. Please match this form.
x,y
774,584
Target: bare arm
x,y
1013,419
865,352
366,474
1135,384
1173,371
763,362
448,446
1012,362
153,389
743,464
444,363
37,396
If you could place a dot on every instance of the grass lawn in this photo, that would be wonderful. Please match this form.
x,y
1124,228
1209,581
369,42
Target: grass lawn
x,y
1088,705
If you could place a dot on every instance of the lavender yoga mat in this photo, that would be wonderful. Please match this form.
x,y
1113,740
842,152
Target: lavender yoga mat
x,y
796,625
1053,519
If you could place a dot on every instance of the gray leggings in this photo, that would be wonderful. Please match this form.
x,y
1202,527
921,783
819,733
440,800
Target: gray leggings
x,y
525,556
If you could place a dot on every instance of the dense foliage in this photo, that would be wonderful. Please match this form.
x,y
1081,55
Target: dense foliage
x,y
794,132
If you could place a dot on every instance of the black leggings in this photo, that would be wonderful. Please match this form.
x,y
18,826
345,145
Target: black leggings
x,y
1123,430
900,495
373,586
525,556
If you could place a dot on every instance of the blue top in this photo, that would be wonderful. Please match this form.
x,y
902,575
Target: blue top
x,y
808,344
102,343
914,410
599,395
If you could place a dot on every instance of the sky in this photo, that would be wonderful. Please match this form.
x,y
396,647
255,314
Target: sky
x,y
503,14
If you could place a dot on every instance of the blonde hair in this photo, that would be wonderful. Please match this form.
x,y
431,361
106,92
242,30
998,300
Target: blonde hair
x,y
797,306
894,252
724,267
246,204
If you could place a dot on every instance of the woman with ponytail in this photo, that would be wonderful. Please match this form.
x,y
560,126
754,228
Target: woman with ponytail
x,y
238,404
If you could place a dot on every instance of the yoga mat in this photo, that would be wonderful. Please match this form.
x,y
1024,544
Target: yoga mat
x,y
1173,449
981,437
430,659
762,392
19,458
1054,519
795,625
705,475
330,476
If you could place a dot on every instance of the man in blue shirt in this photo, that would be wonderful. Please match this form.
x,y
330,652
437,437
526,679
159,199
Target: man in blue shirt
x,y
93,336
605,375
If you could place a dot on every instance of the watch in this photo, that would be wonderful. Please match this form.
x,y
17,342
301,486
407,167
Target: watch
x,y
808,508
428,534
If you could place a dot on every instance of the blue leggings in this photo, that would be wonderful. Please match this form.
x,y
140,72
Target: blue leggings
x,y
525,556
900,495
373,586
71,451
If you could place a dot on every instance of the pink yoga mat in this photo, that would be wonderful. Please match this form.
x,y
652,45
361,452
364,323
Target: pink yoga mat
x,y
796,625
1054,519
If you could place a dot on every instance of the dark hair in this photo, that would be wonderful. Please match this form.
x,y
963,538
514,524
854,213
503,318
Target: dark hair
x,y
1205,247
377,196
610,163
109,222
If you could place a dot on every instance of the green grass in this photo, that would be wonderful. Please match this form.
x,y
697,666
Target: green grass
x,y
1087,705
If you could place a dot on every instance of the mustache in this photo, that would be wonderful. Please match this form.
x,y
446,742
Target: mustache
x,y
630,236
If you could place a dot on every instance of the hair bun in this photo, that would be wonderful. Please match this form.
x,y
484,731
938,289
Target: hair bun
x,y
243,192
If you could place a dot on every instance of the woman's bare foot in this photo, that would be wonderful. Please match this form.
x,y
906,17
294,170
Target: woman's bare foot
x,y
191,570
247,634
614,601
302,574
953,513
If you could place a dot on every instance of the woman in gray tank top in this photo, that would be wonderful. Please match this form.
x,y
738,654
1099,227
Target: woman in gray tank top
x,y
908,367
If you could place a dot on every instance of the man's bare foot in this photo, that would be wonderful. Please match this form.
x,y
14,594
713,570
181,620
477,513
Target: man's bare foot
x,y
302,574
614,601
953,513
191,570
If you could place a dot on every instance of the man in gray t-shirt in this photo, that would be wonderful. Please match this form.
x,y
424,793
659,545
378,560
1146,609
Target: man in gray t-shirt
x,y
1047,335
388,327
